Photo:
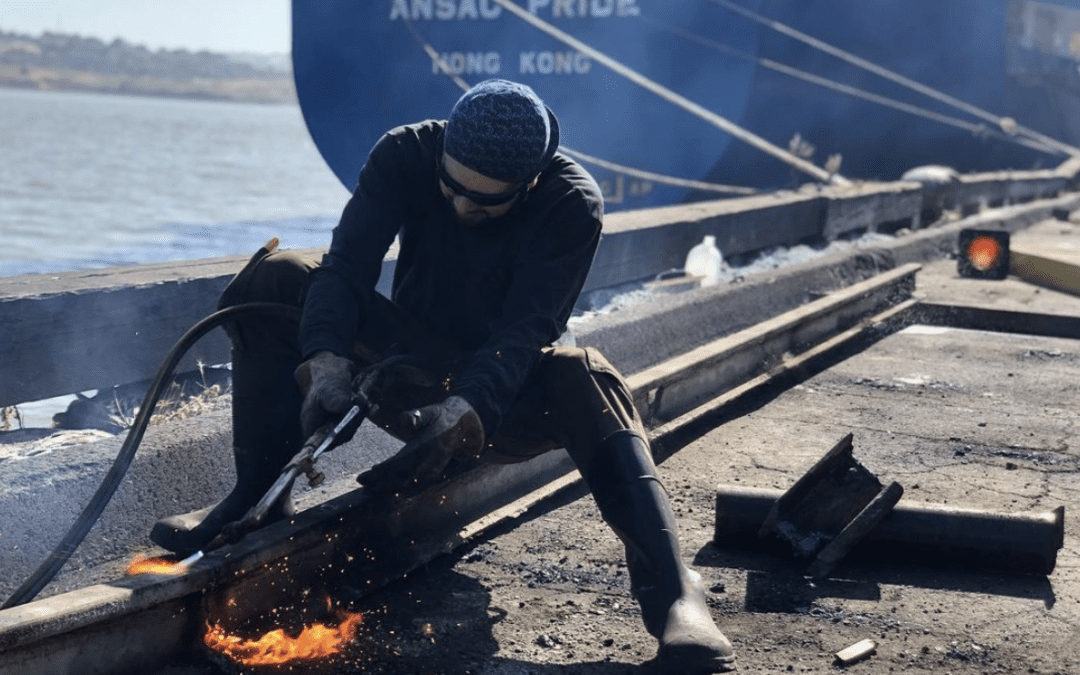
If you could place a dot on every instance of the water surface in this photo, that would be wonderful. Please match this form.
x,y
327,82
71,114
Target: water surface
x,y
91,180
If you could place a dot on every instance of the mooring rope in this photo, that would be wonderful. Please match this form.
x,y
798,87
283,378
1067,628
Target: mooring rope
x,y
435,58
976,129
672,97
577,154
659,178
1006,124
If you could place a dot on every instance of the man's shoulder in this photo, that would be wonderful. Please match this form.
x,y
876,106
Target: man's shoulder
x,y
568,179
423,136
419,130
408,145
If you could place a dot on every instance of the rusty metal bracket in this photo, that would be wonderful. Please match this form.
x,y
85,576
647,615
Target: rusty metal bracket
x,y
830,509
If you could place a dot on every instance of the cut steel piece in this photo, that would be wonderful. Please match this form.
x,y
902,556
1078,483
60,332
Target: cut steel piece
x,y
928,534
833,506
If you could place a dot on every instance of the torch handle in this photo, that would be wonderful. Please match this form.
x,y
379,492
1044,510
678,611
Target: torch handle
x,y
303,462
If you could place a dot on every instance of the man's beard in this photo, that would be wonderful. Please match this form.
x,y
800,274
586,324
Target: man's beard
x,y
482,219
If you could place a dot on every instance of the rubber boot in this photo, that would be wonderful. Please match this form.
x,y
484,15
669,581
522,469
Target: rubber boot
x,y
632,501
266,435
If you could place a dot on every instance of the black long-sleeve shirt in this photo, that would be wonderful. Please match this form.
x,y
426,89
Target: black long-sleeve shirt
x,y
500,290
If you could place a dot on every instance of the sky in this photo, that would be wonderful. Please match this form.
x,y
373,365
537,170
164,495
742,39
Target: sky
x,y
261,26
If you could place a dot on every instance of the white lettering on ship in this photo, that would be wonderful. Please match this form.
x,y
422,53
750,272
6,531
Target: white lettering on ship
x,y
554,63
615,192
596,9
444,10
457,10
469,63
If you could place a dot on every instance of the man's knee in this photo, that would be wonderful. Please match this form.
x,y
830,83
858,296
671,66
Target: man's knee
x,y
582,376
564,367
280,276
277,277
582,384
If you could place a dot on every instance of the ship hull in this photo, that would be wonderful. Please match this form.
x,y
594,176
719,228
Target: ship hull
x,y
363,68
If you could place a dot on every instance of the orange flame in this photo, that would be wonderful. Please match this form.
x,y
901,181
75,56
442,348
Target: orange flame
x,y
314,642
142,565
982,252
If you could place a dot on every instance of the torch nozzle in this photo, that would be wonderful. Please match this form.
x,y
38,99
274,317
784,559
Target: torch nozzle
x,y
190,560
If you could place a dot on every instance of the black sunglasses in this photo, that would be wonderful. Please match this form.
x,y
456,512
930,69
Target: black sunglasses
x,y
478,198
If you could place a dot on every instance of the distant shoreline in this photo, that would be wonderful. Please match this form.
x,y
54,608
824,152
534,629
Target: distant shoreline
x,y
272,90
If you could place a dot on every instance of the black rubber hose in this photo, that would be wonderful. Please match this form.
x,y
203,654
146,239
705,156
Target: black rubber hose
x,y
63,551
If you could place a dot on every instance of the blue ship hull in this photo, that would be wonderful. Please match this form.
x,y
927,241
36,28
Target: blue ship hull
x,y
362,68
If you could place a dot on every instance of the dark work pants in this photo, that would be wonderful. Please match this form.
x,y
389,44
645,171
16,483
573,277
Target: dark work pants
x,y
573,399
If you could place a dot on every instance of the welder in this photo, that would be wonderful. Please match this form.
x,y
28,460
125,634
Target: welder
x,y
496,231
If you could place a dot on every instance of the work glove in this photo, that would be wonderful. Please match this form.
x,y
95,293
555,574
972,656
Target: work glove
x,y
437,434
326,382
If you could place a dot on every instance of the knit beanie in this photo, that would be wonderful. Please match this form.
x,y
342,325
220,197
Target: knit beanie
x,y
502,130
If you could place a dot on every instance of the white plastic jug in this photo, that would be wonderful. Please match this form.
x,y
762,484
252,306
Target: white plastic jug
x,y
704,260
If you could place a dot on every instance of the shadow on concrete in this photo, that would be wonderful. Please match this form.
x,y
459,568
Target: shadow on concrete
x,y
441,621
776,581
